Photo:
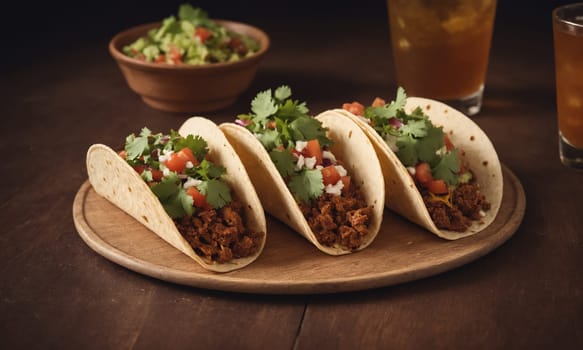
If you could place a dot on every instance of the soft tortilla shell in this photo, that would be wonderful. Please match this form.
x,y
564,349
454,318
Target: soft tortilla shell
x,y
476,148
350,144
118,182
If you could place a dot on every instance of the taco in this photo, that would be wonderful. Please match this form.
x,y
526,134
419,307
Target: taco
x,y
441,171
189,188
320,176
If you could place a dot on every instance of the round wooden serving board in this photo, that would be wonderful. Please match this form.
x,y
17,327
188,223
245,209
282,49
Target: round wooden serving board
x,y
290,264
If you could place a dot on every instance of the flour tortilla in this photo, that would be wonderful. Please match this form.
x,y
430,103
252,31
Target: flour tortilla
x,y
476,149
350,144
113,178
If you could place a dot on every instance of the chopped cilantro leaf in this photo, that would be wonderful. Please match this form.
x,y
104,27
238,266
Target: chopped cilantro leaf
x,y
306,129
186,202
428,146
197,145
172,197
407,152
167,188
147,175
263,105
448,167
284,162
400,99
135,146
282,93
291,110
415,128
217,192
206,170
269,138
307,185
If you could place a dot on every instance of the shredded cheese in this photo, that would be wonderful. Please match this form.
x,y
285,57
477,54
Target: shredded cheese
x,y
446,198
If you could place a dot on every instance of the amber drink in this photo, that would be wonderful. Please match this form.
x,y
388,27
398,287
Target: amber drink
x,y
568,41
441,48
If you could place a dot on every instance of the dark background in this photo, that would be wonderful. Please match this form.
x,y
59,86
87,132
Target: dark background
x,y
31,28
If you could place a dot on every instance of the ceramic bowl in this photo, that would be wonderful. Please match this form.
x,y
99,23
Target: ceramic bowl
x,y
188,88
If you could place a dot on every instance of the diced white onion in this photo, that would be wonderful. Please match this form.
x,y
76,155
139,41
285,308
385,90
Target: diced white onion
x,y
165,171
411,170
189,164
341,171
310,162
335,189
300,145
300,163
165,156
190,182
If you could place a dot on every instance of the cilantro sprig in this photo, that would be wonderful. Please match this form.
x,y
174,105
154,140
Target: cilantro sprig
x,y
278,122
143,152
415,138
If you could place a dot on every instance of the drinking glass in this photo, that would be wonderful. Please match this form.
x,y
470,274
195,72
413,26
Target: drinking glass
x,y
568,42
441,48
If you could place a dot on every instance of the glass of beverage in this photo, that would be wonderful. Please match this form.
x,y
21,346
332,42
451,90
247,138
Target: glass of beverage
x,y
568,41
441,48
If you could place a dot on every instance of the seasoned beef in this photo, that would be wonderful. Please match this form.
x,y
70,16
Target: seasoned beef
x,y
456,213
219,234
339,220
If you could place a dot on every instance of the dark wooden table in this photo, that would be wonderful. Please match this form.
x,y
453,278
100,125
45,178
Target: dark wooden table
x,y
55,292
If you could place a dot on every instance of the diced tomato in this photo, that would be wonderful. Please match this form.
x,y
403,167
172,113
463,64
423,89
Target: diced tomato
x,y
448,144
203,33
174,54
186,153
423,173
123,154
378,102
198,198
313,150
346,182
177,160
140,57
157,175
354,108
436,186
330,175
160,59
175,163
238,46
139,168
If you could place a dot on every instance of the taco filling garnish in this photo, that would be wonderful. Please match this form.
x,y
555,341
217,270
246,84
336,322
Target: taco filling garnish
x,y
324,190
447,184
189,186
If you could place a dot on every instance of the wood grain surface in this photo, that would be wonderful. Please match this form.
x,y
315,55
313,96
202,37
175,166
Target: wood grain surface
x,y
402,251
62,92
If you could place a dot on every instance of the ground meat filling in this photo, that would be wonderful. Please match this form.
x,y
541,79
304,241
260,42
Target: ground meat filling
x,y
220,235
458,210
339,220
